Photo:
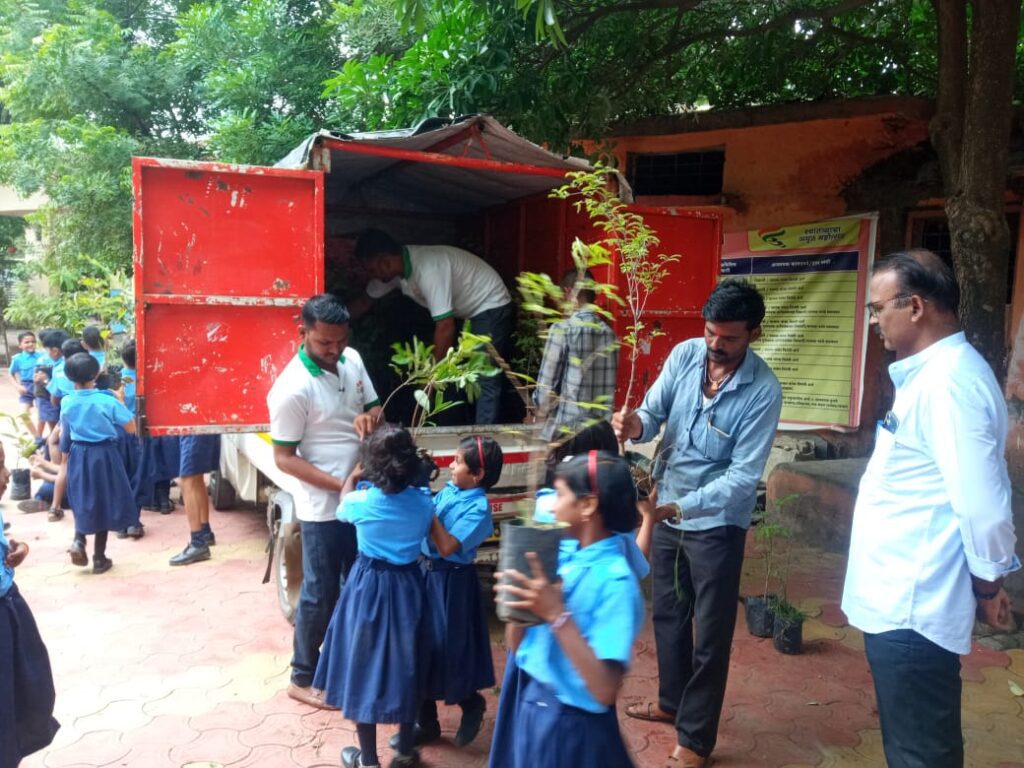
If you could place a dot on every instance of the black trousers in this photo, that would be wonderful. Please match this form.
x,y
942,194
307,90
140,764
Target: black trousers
x,y
696,585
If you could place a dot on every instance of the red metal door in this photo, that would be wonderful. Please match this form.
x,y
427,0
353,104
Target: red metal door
x,y
674,308
224,257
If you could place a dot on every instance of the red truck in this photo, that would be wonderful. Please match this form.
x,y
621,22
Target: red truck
x,y
225,255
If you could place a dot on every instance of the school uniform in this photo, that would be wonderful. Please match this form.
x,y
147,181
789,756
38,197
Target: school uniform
x,y
372,663
546,716
59,385
47,410
23,368
98,488
26,681
460,646
199,454
101,357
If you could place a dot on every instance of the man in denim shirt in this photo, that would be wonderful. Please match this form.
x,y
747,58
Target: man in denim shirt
x,y
720,405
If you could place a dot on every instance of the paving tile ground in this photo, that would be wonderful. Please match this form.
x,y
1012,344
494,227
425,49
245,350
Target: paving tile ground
x,y
160,667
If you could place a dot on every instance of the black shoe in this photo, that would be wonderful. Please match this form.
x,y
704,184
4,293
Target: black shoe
x,y
405,761
351,758
191,554
123,533
166,508
421,734
77,552
134,531
472,720
55,516
33,505
211,540
101,564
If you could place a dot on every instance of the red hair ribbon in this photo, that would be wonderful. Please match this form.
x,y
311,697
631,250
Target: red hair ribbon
x,y
480,451
592,470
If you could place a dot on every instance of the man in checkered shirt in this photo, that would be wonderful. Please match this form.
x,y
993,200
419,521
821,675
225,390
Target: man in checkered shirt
x,y
576,383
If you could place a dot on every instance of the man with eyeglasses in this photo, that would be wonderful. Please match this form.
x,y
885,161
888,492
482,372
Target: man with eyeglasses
x,y
720,404
932,536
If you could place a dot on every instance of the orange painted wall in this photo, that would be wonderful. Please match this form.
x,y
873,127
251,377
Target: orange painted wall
x,y
790,172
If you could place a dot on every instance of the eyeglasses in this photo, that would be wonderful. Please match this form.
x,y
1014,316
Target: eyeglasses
x,y
875,308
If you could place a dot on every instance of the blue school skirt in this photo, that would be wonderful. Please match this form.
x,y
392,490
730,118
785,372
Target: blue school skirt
x,y
535,730
460,662
26,683
199,454
47,410
371,665
98,491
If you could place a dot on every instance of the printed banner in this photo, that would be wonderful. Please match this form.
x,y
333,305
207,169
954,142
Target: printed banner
x,y
814,281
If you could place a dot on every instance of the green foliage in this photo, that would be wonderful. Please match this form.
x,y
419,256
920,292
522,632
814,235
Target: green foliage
x,y
461,368
18,430
629,243
75,303
769,533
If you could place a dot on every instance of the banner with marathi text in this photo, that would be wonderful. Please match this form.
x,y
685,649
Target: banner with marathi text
x,y
814,280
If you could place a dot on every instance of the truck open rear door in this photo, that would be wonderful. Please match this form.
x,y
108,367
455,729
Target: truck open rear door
x,y
224,258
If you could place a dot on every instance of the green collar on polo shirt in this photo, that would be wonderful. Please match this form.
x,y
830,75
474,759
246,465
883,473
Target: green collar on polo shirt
x,y
406,263
312,367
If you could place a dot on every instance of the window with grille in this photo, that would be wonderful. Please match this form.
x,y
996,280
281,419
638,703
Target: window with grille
x,y
682,173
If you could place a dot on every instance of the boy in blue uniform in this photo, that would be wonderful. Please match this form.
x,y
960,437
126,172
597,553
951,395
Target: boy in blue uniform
x,y
92,340
52,340
23,371
199,454
460,646
557,704
26,682
373,654
98,487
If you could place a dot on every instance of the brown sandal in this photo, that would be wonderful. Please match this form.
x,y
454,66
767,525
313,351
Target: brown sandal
x,y
650,711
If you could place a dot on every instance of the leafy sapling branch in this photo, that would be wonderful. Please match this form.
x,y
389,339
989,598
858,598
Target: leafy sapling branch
x,y
461,367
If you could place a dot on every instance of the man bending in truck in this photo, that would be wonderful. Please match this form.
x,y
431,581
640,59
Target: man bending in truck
x,y
452,284
321,406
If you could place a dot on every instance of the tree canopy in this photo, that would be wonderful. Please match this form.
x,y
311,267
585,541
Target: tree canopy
x,y
85,84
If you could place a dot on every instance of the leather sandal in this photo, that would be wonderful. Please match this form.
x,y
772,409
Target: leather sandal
x,y
650,711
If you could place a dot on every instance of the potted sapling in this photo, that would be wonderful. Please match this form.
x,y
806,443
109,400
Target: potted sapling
x,y
768,532
19,431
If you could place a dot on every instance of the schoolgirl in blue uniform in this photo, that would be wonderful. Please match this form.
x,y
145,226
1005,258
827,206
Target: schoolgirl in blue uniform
x,y
23,369
557,705
98,488
371,665
26,682
460,646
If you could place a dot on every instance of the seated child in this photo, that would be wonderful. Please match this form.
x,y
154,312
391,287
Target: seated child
x,y
557,704
98,488
460,645
372,663
26,682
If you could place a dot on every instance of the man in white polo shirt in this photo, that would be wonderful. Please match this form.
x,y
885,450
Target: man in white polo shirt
x,y
452,284
321,406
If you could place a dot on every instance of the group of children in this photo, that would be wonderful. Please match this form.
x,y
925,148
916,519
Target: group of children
x,y
410,629
90,459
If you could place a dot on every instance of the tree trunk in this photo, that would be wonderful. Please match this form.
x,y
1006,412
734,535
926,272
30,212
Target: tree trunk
x,y
970,133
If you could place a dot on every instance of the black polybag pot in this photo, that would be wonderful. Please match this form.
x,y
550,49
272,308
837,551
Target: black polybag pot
x,y
517,539
788,635
760,618
21,484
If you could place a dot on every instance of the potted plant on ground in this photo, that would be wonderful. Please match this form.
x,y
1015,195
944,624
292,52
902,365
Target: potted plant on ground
x,y
787,629
19,431
767,533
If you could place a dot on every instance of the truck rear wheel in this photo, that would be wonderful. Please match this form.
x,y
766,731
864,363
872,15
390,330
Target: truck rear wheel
x,y
288,557
222,493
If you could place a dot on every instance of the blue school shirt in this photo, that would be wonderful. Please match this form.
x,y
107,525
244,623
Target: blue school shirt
x,y
603,595
6,572
466,515
55,386
23,365
101,357
92,415
389,526
128,379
